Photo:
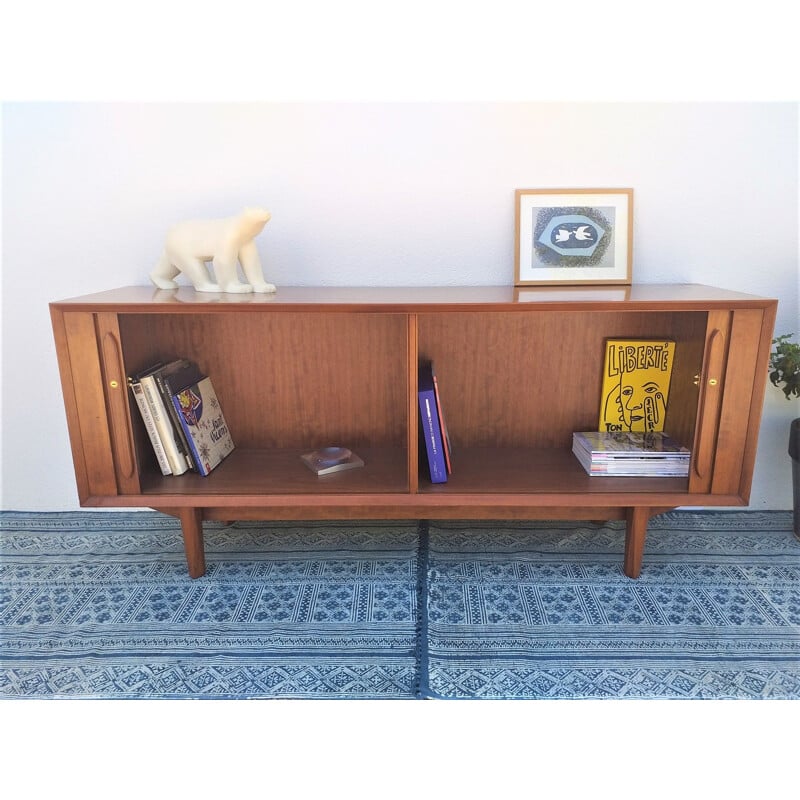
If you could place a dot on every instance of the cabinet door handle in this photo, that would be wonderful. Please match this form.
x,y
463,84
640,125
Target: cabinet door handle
x,y
120,422
712,362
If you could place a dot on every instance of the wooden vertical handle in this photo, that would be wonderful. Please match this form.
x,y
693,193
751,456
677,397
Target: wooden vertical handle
x,y
115,388
709,385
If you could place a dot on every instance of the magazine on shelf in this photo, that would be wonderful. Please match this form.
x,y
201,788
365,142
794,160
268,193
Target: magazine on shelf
x,y
429,424
635,386
631,453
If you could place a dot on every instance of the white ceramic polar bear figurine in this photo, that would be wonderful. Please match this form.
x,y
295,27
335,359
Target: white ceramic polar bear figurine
x,y
189,245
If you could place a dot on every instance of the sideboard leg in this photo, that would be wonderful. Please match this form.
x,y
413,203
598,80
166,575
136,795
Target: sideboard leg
x,y
192,528
635,534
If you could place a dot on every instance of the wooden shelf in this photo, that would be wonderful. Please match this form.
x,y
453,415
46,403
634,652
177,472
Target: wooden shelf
x,y
281,472
476,471
519,371
490,470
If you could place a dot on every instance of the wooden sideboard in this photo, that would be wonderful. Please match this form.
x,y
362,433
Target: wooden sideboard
x,y
519,370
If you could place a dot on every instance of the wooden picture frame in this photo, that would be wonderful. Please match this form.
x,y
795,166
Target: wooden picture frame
x,y
573,236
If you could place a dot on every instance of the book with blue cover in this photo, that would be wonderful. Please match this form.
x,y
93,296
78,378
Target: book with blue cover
x,y
204,424
429,424
169,379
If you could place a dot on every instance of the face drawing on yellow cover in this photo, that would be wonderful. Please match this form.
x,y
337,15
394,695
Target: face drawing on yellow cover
x,y
639,403
636,386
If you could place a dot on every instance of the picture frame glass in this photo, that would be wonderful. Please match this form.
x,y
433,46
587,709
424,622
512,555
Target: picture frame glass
x,y
573,236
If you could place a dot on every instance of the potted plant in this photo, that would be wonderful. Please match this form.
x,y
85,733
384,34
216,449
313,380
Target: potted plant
x,y
784,363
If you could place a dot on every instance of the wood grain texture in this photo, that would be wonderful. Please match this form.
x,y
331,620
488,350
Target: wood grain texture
x,y
120,413
296,299
711,376
519,372
533,379
90,414
192,529
738,385
635,535
61,338
301,380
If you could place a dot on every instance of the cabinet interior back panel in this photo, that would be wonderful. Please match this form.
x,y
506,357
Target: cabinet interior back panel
x,y
532,379
290,380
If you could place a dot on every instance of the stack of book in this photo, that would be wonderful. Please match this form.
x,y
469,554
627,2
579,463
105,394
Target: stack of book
x,y
630,453
182,416
433,427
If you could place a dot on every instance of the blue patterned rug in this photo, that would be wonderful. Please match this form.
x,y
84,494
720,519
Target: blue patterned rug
x,y
543,610
99,605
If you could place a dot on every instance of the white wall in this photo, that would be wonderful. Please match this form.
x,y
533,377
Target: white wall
x,y
373,194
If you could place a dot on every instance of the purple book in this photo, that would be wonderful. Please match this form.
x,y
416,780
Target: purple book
x,y
429,420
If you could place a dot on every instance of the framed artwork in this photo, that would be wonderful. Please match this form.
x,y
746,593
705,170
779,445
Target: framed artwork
x,y
571,236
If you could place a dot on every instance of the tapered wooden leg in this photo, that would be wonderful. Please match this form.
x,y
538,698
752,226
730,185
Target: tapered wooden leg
x,y
635,534
192,528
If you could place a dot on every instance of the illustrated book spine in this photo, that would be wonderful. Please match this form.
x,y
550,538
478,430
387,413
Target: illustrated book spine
x,y
204,424
431,432
177,375
150,426
635,385
163,423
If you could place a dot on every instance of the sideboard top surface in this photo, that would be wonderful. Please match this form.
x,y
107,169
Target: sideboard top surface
x,y
147,299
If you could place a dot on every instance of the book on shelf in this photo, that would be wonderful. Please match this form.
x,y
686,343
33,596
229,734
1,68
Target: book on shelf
x,y
135,385
635,385
430,428
162,421
442,424
179,446
171,379
329,460
203,423
631,453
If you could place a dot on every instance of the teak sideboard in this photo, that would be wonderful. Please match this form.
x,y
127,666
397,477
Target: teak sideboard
x,y
519,371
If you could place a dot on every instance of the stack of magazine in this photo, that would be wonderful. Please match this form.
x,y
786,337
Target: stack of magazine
x,y
183,417
630,453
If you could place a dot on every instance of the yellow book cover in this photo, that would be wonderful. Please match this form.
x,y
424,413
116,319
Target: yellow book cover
x,y
636,378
